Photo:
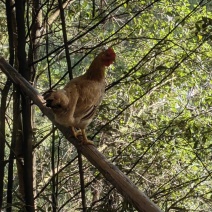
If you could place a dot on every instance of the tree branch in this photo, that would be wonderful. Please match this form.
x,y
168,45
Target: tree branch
x,y
122,183
55,15
65,39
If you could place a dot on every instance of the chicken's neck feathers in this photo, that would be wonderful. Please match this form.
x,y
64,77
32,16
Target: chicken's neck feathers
x,y
95,72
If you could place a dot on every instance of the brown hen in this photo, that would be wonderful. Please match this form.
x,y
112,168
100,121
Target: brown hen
x,y
75,105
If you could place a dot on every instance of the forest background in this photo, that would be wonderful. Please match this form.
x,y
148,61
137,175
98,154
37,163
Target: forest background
x,y
154,123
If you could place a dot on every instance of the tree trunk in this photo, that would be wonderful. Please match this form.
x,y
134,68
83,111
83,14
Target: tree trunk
x,y
26,108
11,38
122,183
2,137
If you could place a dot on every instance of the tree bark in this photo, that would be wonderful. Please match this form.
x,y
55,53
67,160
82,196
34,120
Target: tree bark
x,y
65,39
122,183
26,108
10,29
5,92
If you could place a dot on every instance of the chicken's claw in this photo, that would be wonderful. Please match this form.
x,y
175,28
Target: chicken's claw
x,y
81,135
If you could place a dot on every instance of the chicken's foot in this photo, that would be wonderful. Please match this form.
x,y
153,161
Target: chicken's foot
x,y
81,133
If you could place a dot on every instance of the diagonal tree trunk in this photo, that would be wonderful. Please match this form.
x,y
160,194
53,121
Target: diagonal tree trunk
x,y
122,183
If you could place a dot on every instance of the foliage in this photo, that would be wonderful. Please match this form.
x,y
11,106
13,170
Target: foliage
x,y
155,120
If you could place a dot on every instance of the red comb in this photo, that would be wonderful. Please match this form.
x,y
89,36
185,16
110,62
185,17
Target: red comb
x,y
111,51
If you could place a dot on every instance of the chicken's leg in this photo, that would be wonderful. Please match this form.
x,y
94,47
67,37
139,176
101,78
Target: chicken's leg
x,y
85,139
83,134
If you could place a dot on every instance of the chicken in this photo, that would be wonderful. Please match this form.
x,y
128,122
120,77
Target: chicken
x,y
75,105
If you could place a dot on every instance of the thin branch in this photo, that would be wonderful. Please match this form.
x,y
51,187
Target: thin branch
x,y
82,183
53,180
65,39
55,15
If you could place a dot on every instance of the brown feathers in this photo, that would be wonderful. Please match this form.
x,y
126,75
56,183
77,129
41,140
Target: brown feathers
x,y
75,105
